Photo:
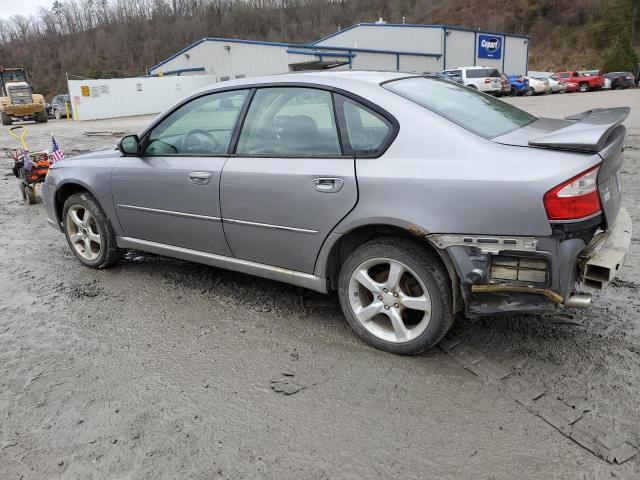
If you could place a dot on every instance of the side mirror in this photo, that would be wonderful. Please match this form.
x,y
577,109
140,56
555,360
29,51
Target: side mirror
x,y
129,145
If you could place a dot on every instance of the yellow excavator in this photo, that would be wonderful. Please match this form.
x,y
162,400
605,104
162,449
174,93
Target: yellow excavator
x,y
17,100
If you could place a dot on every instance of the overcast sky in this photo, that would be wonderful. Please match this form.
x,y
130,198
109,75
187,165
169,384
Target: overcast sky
x,y
22,7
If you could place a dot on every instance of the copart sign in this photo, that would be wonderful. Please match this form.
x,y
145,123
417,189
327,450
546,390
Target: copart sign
x,y
489,46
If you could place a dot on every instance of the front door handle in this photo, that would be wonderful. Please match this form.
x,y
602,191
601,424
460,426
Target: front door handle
x,y
328,184
200,178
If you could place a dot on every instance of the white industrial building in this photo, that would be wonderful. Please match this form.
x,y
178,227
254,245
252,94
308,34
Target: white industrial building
x,y
365,46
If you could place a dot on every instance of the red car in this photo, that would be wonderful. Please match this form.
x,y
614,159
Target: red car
x,y
584,81
571,87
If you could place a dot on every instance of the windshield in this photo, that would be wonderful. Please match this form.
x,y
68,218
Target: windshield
x,y
13,76
472,110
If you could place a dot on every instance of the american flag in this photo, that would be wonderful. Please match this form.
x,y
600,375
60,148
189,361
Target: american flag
x,y
56,153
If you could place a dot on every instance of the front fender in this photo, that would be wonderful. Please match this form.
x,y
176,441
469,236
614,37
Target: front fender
x,y
94,179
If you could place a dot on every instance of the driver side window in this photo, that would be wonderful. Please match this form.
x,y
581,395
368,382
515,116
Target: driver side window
x,y
201,127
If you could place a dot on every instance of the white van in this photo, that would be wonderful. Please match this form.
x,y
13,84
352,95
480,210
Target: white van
x,y
485,79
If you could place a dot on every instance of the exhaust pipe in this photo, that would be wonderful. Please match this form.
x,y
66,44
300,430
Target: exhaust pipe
x,y
578,300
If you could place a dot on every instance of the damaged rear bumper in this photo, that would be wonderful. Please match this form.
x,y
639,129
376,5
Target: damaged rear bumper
x,y
535,274
601,260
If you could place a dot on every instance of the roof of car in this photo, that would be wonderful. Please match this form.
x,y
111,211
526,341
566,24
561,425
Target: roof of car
x,y
346,79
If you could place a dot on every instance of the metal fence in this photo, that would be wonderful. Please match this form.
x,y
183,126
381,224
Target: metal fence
x,y
122,97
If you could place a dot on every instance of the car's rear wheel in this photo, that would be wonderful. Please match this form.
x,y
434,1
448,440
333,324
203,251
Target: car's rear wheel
x,y
472,87
513,92
396,295
584,87
89,232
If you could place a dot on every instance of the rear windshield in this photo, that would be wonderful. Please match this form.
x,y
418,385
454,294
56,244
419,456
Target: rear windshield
x,y
472,110
482,72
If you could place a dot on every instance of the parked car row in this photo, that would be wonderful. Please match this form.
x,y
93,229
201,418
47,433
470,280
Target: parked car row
x,y
490,80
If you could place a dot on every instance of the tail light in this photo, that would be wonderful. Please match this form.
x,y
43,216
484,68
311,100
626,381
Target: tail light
x,y
487,80
576,198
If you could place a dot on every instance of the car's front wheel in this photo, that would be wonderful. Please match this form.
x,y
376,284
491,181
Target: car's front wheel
x,y
89,232
529,92
396,295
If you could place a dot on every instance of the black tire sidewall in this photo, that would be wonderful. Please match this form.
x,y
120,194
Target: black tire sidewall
x,y
430,273
108,246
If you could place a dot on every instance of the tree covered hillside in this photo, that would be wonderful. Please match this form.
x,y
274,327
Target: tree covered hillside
x,y
111,38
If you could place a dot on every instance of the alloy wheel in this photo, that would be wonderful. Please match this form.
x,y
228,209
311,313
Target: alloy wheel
x,y
389,300
83,232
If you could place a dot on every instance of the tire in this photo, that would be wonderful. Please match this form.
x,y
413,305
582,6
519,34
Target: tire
x,y
91,252
41,117
425,279
513,92
6,119
472,87
30,194
57,114
583,87
529,92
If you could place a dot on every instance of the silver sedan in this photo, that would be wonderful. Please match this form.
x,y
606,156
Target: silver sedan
x,y
412,197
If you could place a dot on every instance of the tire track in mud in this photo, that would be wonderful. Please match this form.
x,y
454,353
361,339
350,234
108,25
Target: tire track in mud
x,y
568,417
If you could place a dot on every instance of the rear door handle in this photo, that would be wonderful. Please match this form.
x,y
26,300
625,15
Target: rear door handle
x,y
200,178
328,184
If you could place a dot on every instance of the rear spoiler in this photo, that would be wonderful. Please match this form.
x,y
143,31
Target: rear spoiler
x,y
589,133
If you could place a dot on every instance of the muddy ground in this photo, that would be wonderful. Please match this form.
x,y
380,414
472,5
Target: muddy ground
x,y
159,368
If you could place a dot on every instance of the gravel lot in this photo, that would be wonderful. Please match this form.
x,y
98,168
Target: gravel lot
x,y
159,368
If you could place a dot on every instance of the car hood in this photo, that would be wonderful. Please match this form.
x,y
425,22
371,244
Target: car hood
x,y
107,152
104,155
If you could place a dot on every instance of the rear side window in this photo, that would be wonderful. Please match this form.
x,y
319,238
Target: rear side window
x,y
482,72
290,122
472,110
366,132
